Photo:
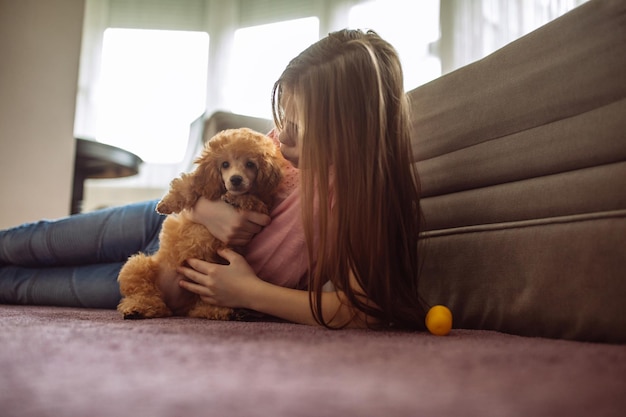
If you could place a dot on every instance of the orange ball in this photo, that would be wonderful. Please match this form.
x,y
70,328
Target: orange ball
x,y
439,320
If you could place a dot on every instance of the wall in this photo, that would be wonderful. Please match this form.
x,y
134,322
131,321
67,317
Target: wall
x,y
39,57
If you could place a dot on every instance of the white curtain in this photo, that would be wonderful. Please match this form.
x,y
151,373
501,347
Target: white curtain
x,y
472,29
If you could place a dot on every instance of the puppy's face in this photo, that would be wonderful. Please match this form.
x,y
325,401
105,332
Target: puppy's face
x,y
238,171
238,161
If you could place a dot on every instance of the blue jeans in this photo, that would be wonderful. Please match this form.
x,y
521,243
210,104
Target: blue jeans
x,y
74,261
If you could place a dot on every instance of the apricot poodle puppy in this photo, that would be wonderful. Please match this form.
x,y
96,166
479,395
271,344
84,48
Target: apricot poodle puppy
x,y
240,166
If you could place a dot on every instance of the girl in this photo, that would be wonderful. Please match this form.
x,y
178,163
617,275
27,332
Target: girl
x,y
341,247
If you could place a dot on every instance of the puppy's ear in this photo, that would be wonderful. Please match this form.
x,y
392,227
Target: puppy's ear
x,y
269,176
207,178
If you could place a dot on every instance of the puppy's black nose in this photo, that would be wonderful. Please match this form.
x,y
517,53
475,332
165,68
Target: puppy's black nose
x,y
236,180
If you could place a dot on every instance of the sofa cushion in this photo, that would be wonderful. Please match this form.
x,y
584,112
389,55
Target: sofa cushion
x,y
522,157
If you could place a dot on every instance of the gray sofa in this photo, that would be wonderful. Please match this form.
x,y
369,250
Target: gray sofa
x,y
522,158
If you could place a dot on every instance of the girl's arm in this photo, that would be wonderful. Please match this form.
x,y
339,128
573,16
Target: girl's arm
x,y
231,226
237,286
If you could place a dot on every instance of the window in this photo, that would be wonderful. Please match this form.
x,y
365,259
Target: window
x,y
260,54
411,27
152,86
473,29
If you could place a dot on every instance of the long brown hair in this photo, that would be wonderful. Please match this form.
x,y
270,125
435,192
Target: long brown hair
x,y
360,192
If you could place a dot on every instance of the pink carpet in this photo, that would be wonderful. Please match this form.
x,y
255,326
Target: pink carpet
x,y
71,362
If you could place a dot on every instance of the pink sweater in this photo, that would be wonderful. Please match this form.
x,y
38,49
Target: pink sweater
x,y
278,254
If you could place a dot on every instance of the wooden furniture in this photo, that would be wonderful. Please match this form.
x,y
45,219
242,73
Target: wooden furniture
x,y
98,160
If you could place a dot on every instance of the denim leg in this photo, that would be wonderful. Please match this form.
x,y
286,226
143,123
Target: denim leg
x,y
89,286
103,236
75,261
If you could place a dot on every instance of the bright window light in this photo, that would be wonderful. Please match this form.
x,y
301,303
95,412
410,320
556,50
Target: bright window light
x,y
260,54
152,86
410,26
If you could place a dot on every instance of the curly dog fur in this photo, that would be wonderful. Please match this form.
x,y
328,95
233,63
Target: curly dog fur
x,y
240,166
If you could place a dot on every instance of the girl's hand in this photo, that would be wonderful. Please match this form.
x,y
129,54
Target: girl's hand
x,y
229,225
222,285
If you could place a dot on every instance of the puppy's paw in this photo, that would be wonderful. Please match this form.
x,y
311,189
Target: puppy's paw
x,y
134,315
247,202
143,307
243,314
164,208
207,311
